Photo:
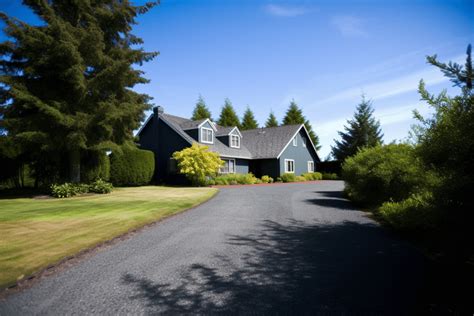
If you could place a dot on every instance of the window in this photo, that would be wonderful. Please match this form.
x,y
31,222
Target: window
x,y
235,141
289,166
304,142
295,141
310,166
207,135
228,167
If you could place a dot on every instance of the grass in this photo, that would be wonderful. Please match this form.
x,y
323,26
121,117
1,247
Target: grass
x,y
36,233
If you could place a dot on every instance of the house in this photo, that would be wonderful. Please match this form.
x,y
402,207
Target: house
x,y
263,151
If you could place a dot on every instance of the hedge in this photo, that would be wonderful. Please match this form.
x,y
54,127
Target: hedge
x,y
95,165
131,167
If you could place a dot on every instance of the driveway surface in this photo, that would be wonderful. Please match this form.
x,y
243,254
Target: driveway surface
x,y
283,249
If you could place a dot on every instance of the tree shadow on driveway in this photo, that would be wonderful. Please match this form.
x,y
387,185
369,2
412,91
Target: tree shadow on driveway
x,y
294,268
332,199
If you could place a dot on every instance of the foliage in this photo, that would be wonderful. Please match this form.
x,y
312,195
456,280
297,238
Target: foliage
x,y
201,111
313,176
95,165
414,213
248,120
235,178
361,131
228,117
267,179
294,115
100,186
446,139
131,167
288,177
300,179
197,163
330,176
271,121
66,190
66,83
383,173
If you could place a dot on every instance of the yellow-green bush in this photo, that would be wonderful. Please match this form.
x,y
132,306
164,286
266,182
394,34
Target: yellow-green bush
x,y
267,179
235,178
288,177
329,176
300,179
312,176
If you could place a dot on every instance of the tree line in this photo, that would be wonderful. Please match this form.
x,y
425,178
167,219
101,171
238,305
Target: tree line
x,y
228,117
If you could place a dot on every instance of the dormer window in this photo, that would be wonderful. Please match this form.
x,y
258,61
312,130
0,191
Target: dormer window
x,y
207,135
235,141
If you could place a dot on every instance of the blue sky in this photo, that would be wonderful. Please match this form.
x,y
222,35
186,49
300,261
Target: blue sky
x,y
322,54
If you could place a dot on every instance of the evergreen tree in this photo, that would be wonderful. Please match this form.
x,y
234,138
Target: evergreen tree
x,y
362,131
228,116
294,115
66,84
248,120
201,111
271,121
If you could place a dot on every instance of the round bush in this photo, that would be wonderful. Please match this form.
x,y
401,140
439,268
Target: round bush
x,y
383,173
132,167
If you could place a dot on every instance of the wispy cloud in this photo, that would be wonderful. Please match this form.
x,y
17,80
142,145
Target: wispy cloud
x,y
286,10
350,26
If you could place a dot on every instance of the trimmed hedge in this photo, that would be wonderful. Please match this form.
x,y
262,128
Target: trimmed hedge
x,y
132,167
312,176
288,177
236,178
95,165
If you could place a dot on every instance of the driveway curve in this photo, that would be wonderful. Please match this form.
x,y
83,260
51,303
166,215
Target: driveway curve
x,y
282,249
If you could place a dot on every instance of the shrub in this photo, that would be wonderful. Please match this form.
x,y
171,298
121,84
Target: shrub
x,y
197,163
329,176
95,165
312,176
131,167
300,178
258,181
383,173
236,178
278,179
267,179
100,186
414,213
66,190
288,177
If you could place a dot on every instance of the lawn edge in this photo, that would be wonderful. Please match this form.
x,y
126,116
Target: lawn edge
x,y
67,262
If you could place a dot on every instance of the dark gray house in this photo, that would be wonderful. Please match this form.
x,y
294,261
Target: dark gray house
x,y
263,151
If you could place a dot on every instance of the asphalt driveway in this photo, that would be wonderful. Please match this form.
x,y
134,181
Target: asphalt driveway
x,y
285,249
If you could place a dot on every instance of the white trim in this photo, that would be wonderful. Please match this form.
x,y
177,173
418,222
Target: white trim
x,y
238,131
294,166
176,130
228,159
210,123
295,141
308,164
291,139
200,135
230,141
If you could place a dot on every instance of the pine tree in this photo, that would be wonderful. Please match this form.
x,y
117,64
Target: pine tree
x,y
66,84
248,120
228,116
362,131
271,121
294,115
201,111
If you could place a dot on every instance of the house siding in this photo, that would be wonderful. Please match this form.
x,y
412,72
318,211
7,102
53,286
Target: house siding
x,y
300,154
158,137
262,167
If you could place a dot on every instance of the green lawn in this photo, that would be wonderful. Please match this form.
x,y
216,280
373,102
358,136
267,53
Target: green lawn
x,y
35,233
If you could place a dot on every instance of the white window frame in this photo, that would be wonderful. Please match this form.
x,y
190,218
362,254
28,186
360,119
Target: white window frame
x,y
222,170
205,129
304,142
286,165
295,141
311,163
238,141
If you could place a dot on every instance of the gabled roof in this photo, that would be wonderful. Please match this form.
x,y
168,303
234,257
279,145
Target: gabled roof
x,y
266,143
260,143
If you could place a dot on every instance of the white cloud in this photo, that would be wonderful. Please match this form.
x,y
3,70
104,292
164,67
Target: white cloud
x,y
349,26
285,10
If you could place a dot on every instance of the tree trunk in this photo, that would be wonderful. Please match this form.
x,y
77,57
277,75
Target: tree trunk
x,y
75,165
